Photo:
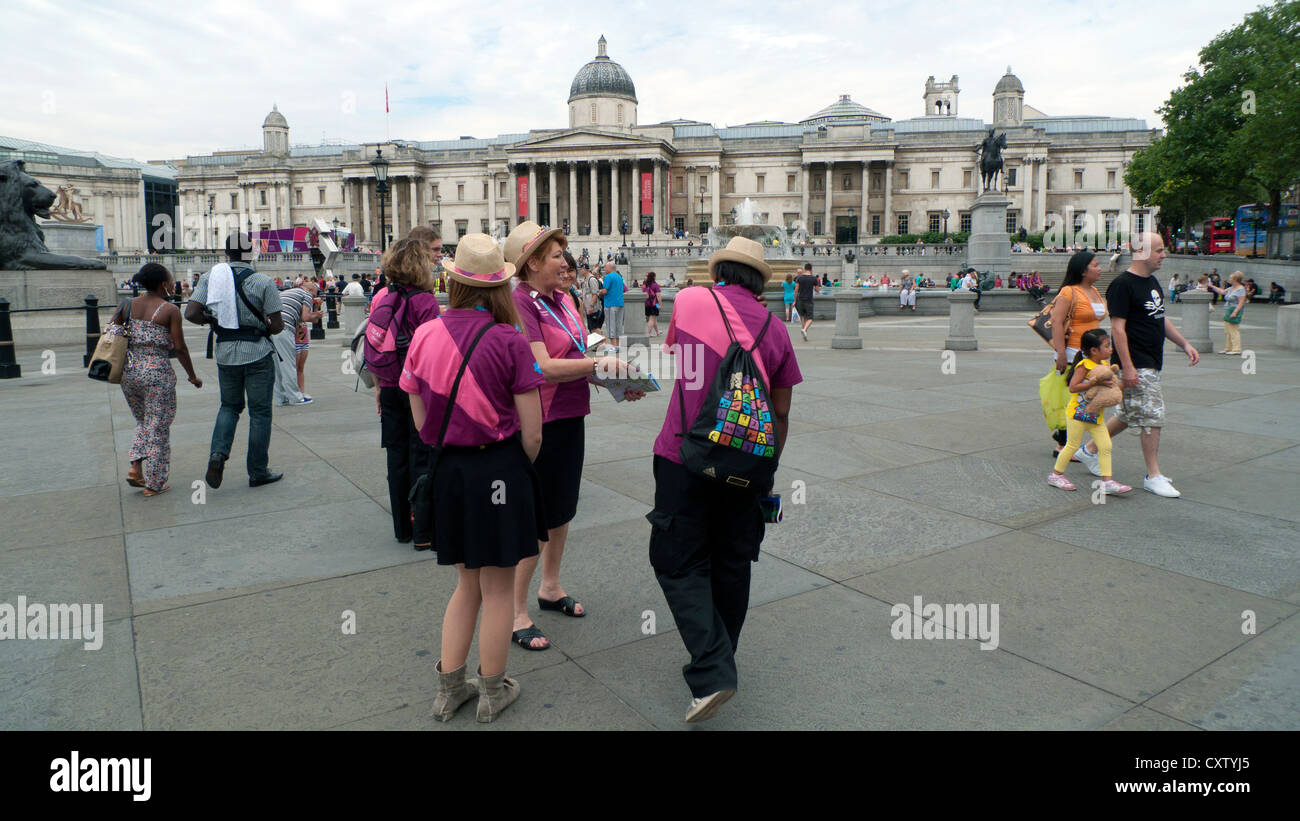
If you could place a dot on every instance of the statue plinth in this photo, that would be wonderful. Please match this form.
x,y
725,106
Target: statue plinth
x,y
75,238
989,247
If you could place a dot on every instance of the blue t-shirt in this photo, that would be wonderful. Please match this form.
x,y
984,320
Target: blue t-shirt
x,y
788,291
614,288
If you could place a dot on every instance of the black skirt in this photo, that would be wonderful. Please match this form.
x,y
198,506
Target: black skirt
x,y
652,310
488,506
559,467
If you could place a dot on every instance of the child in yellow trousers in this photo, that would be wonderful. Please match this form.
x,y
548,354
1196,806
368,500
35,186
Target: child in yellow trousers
x,y
1094,350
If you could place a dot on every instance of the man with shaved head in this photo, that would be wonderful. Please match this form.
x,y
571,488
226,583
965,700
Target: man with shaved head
x,y
1139,329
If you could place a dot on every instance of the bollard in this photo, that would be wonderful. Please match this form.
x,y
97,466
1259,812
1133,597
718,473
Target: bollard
x,y
92,328
332,307
634,327
1196,320
354,313
848,335
317,330
9,367
961,321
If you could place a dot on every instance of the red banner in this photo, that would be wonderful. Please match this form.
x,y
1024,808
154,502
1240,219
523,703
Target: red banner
x,y
647,192
522,183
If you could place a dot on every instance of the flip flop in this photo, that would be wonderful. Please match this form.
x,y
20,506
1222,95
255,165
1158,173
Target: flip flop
x,y
147,492
567,605
134,480
524,638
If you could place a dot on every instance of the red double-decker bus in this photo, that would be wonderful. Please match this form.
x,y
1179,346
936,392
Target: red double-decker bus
x,y
1218,236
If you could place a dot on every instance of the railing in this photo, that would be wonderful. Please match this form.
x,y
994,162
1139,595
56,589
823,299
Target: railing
x,y
811,250
9,368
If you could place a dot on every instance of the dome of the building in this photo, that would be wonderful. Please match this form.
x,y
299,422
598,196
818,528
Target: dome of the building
x,y
602,77
844,112
275,118
1009,82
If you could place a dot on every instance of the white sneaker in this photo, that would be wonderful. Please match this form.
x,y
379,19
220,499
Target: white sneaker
x,y
1161,486
1092,461
804,331
703,709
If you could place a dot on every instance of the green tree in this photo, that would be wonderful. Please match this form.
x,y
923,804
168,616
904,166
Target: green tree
x,y
1232,126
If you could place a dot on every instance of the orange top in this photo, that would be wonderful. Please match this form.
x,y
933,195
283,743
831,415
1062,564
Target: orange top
x,y
1083,316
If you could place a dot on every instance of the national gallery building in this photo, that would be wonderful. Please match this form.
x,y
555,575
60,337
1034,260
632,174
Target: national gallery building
x,y
845,174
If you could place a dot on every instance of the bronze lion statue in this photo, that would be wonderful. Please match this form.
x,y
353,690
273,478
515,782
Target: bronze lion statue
x,y
22,243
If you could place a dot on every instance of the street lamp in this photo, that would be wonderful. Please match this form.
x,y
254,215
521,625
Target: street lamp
x,y
622,226
703,190
945,221
437,198
381,191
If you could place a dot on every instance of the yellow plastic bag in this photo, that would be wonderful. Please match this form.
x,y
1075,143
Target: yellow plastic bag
x,y
1054,392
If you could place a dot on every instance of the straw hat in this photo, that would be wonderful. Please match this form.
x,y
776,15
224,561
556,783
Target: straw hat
x,y
479,262
527,239
746,252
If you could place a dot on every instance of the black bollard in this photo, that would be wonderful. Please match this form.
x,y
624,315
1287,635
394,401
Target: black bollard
x,y
333,310
92,328
9,367
317,330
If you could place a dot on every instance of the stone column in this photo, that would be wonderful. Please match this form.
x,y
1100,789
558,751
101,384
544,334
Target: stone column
x,y
532,191
1027,180
830,187
656,202
865,218
692,189
805,182
354,313
275,209
552,196
513,172
1196,320
288,205
847,333
889,223
634,327
573,199
613,196
717,194
365,210
415,196
1041,217
961,321
592,211
492,202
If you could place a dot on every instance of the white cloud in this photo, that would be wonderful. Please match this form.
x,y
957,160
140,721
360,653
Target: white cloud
x,y
153,81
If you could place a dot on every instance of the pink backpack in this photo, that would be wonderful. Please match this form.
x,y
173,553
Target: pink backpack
x,y
388,334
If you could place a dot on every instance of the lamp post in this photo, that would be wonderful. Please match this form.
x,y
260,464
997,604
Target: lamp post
x,y
703,190
381,191
622,226
214,228
335,235
437,198
945,221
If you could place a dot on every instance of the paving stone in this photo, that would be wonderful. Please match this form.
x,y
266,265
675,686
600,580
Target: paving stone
x,y
92,571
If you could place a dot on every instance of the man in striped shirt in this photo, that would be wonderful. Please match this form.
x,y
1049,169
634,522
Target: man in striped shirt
x,y
296,304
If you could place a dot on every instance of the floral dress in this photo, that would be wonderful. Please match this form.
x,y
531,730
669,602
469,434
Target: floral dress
x,y
149,384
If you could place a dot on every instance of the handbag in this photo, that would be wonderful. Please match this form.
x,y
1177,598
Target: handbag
x,y
1228,317
109,358
1041,324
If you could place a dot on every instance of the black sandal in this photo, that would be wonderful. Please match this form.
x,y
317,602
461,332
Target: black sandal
x,y
524,638
567,605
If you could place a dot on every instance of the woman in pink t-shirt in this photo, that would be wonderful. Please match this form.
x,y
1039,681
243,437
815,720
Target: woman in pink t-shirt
x,y
473,385
651,289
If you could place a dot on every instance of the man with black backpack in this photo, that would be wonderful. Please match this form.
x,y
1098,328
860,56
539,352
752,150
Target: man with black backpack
x,y
243,307
714,462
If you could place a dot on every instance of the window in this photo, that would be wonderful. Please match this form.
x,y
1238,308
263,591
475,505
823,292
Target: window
x,y
620,113
1139,221
817,227
875,224
1078,178
503,191
902,179
485,191
1110,179
234,202
844,184
320,195
1047,178
433,191
789,219
679,185
935,221
730,187
1011,177
262,192
679,223
875,183
484,228
297,196
1109,218
967,178
704,183
460,193
760,183
462,228
1078,220
902,223
963,222
1012,222
934,178
789,182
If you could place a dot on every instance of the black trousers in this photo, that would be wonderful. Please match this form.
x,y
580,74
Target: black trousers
x,y
703,538
408,458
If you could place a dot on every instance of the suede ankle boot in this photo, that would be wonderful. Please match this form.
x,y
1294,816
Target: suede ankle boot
x,y
453,691
495,694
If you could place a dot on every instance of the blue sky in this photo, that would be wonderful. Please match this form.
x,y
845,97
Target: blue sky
x,y
159,81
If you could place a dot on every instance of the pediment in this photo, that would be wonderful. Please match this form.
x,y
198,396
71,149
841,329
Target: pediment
x,y
585,137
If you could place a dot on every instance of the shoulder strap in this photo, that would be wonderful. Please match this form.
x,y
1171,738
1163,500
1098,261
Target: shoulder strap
x,y
455,386
155,313
727,323
240,279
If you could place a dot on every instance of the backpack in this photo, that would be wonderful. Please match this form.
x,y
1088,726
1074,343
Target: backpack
x,y
733,439
357,356
387,337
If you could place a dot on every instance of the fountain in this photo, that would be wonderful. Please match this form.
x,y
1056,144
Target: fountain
x,y
775,239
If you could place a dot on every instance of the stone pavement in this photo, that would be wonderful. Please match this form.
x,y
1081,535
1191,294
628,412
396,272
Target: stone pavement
x,y
919,482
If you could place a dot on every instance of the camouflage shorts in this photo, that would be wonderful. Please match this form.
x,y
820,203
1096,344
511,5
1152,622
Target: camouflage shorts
x,y
1143,407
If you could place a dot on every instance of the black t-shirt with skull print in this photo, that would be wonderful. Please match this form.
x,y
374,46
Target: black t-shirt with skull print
x,y
1140,302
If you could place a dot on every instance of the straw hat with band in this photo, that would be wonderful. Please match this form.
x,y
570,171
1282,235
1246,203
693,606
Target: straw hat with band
x,y
527,239
746,252
479,263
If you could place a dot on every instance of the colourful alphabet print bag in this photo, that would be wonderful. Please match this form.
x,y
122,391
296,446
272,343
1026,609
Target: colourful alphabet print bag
x,y
733,440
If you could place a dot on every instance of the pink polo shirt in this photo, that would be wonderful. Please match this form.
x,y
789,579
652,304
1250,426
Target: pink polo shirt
x,y
555,323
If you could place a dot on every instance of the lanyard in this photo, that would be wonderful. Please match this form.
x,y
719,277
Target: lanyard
x,y
539,300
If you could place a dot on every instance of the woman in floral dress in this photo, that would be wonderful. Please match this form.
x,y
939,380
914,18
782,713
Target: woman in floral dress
x,y
153,331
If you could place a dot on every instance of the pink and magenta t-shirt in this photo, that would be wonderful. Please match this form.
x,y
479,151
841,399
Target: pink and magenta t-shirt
x,y
555,323
698,339
501,366
421,307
